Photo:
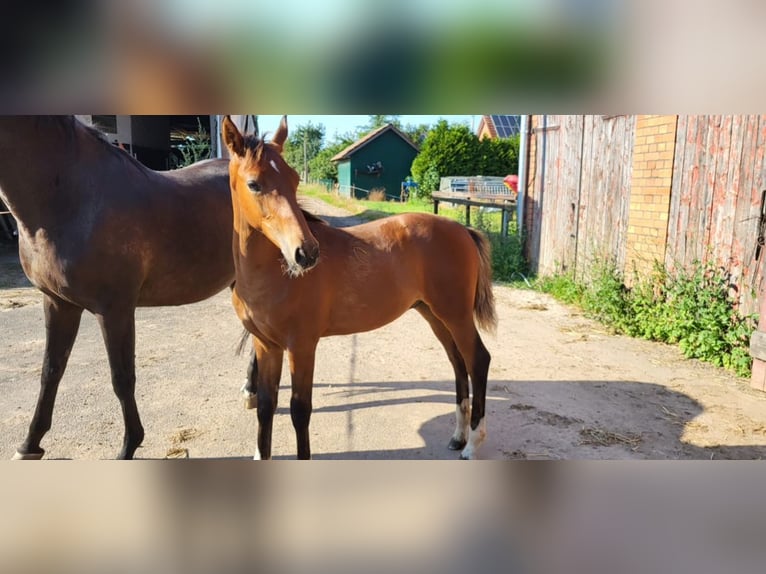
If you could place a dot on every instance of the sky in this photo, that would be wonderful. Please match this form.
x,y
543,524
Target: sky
x,y
337,124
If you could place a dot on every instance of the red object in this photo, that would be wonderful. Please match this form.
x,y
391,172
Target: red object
x,y
512,181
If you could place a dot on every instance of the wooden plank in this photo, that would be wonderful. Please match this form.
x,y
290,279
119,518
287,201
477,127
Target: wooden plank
x,y
586,206
676,188
758,345
746,214
716,239
689,216
729,254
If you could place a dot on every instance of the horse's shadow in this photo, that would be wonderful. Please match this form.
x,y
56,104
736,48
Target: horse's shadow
x,y
527,420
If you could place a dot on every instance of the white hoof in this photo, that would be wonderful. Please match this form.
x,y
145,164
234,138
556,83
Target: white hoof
x,y
31,456
475,438
251,399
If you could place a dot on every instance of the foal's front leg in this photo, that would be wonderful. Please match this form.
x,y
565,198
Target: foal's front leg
x,y
302,371
269,361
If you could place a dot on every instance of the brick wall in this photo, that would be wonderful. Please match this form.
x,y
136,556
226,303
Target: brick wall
x,y
651,181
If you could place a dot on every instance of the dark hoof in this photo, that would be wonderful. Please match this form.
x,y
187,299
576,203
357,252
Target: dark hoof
x,y
28,455
456,444
464,457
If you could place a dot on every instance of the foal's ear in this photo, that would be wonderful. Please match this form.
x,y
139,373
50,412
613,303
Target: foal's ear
x,y
281,134
232,137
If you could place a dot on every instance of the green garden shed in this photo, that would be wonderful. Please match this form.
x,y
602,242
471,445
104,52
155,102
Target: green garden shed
x,y
380,161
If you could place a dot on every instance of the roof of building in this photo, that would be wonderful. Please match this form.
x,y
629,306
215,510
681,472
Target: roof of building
x,y
502,126
361,142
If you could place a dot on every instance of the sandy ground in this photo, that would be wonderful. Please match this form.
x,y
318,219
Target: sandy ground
x,y
561,387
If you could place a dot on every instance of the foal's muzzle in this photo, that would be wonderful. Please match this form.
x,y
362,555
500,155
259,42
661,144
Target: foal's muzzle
x,y
307,255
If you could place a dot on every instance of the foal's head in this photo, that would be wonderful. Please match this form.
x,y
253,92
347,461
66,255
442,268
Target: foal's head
x,y
264,190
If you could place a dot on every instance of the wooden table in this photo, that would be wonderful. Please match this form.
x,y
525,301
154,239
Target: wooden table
x,y
506,203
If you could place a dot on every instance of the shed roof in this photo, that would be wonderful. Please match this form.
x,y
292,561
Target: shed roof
x,y
360,143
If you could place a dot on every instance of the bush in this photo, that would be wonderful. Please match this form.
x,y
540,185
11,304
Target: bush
x,y
508,262
457,151
695,309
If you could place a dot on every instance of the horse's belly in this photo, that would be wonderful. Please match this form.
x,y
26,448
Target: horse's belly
x,y
350,320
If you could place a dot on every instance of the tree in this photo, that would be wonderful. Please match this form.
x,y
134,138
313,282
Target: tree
x,y
456,151
499,157
321,167
447,150
376,122
303,144
194,148
417,133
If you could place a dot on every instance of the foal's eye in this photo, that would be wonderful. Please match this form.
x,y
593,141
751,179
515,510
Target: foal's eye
x,y
253,185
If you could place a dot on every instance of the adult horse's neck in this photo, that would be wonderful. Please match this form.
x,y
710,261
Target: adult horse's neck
x,y
40,159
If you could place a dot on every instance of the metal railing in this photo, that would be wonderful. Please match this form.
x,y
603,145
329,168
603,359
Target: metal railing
x,y
479,185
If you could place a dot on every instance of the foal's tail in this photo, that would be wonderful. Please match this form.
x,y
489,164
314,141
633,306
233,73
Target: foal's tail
x,y
484,303
243,340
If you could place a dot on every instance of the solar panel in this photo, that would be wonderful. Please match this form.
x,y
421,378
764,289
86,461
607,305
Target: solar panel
x,y
506,125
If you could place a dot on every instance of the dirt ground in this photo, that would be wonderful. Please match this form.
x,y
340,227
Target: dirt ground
x,y
561,387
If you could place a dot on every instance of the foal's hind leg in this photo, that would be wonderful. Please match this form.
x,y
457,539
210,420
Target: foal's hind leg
x,y
463,408
477,360
62,320
119,331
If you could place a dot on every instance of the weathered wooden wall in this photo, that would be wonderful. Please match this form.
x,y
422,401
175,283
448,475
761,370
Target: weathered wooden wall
x,y
715,204
579,194
579,190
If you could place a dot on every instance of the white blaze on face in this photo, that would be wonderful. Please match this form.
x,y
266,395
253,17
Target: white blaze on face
x,y
475,438
462,416
274,165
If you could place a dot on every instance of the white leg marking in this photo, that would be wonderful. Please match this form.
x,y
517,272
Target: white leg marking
x,y
475,438
462,416
33,456
250,398
257,454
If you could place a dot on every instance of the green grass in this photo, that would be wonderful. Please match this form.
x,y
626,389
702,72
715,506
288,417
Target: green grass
x,y
375,209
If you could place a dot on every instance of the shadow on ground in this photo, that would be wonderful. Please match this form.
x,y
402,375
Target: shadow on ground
x,y
529,420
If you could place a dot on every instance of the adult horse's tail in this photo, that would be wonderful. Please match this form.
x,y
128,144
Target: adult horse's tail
x,y
484,303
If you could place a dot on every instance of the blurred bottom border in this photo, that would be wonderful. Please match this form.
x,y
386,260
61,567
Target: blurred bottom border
x,y
233,516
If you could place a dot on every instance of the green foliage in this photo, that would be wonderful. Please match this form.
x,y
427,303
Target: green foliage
x,y
456,151
320,166
380,120
508,262
306,138
417,133
499,157
447,150
195,147
562,286
694,309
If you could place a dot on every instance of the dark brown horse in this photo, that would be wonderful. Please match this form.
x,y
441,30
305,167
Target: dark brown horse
x,y
101,232
289,296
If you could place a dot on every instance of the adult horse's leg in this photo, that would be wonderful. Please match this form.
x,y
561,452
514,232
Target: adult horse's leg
x,y
269,372
118,328
463,407
62,320
302,371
